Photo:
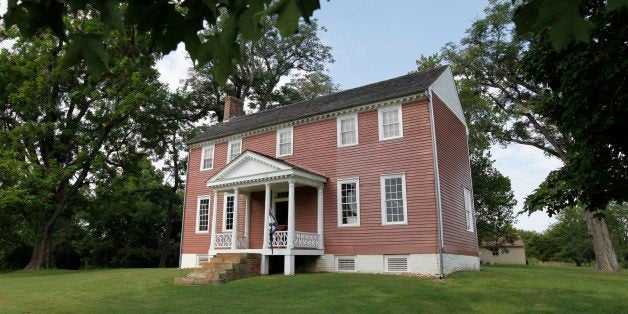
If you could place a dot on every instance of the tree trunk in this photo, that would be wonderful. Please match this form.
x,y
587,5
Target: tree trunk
x,y
165,245
42,250
605,258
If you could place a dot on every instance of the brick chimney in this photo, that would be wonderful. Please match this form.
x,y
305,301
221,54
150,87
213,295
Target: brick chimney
x,y
234,107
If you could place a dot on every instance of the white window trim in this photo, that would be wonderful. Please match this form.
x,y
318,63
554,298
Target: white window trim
x,y
203,157
338,257
339,199
382,194
198,212
279,131
380,121
338,129
233,141
224,212
469,219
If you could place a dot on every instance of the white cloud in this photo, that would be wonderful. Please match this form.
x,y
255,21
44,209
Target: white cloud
x,y
173,68
3,6
526,167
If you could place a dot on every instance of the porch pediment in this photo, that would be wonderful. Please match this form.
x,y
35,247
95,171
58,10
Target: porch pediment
x,y
250,167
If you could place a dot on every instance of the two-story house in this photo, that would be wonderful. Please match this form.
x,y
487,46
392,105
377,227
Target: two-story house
x,y
372,179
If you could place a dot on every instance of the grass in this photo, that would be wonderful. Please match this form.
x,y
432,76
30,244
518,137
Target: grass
x,y
494,289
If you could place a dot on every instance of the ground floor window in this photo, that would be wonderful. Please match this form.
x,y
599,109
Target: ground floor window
x,y
228,213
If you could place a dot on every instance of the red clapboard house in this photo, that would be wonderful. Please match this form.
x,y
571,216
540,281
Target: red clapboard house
x,y
373,179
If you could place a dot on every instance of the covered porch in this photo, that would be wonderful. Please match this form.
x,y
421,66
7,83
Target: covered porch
x,y
252,187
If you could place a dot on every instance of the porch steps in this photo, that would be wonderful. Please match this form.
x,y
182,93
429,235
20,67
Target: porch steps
x,y
222,268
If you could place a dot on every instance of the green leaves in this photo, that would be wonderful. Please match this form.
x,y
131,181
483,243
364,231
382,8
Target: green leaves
x,y
88,47
164,22
563,19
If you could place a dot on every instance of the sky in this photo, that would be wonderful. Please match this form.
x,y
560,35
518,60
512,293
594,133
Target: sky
x,y
374,40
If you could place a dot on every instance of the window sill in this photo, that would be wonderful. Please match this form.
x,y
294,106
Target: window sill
x,y
405,223
390,138
348,226
202,232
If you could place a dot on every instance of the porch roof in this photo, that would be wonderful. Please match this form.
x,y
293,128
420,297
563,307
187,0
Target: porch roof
x,y
252,168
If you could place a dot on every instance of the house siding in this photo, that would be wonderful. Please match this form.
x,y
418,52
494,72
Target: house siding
x,y
315,148
455,174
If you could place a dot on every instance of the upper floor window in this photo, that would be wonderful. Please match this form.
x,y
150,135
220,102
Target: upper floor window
x,y
394,204
202,214
347,130
349,202
390,122
468,209
228,213
284,142
207,158
234,149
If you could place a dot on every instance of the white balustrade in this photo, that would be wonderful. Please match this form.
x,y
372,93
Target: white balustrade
x,y
306,240
280,239
242,242
222,240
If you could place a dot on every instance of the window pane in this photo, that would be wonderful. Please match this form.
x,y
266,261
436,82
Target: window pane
x,y
229,213
235,150
390,123
208,158
393,193
349,203
285,142
203,215
348,133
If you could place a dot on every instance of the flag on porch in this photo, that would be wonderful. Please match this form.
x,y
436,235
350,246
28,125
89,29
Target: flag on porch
x,y
272,227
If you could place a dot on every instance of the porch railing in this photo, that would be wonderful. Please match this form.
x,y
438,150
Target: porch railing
x,y
223,241
306,240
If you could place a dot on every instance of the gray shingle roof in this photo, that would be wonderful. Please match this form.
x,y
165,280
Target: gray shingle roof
x,y
385,90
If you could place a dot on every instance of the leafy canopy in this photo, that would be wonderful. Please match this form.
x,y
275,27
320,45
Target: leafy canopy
x,y
166,23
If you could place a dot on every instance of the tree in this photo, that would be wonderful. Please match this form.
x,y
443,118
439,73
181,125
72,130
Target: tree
x,y
125,221
568,240
493,196
261,67
589,103
563,19
164,23
307,86
495,59
61,124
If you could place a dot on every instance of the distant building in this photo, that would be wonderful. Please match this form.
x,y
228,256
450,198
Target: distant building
x,y
495,255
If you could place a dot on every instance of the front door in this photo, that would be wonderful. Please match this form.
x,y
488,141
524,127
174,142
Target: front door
x,y
281,214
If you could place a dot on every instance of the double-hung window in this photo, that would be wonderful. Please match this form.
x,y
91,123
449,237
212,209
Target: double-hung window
x,y
207,158
234,149
347,127
394,204
349,202
390,122
202,214
228,213
468,209
284,142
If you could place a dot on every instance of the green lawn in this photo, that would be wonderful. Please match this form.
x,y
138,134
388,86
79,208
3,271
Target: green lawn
x,y
494,289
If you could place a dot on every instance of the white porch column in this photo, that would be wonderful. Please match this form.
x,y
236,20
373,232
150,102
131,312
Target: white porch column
x,y
288,265
266,213
291,220
265,264
234,235
247,217
319,207
212,244
288,268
